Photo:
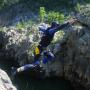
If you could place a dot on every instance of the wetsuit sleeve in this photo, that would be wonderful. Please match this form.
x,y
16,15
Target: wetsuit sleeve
x,y
42,30
54,30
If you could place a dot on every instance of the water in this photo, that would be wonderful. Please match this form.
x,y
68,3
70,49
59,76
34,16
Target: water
x,y
25,82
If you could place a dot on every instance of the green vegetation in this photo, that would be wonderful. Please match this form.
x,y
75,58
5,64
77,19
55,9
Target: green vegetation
x,y
58,36
50,16
44,17
42,14
48,10
1,29
77,7
23,24
55,16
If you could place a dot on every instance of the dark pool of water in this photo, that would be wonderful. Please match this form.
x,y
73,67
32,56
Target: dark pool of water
x,y
27,83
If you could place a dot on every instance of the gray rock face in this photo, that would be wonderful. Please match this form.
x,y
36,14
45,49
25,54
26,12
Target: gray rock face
x,y
84,14
5,82
71,49
76,60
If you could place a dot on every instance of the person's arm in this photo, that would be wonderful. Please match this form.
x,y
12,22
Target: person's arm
x,y
62,26
42,30
54,30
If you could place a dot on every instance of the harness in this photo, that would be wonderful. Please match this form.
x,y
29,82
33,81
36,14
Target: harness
x,y
37,50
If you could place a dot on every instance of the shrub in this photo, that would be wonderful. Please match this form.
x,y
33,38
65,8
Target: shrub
x,y
20,25
77,8
55,16
25,24
50,16
42,14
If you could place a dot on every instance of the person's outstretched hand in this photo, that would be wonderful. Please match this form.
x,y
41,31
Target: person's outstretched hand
x,y
72,20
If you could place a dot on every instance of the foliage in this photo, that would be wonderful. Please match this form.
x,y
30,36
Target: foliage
x,y
58,36
1,29
42,14
77,8
23,24
50,16
55,16
44,17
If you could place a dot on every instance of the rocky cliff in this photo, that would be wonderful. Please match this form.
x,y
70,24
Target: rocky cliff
x,y
70,46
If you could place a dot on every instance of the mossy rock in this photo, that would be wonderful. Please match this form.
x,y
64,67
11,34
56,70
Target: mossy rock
x,y
84,15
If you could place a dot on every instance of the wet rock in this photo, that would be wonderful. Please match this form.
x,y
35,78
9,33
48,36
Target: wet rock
x,y
5,82
72,57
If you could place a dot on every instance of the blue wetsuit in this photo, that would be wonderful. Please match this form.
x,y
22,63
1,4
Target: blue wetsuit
x,y
49,34
48,37
48,56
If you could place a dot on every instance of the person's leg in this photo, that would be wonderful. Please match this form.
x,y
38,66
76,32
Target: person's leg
x,y
36,57
22,68
48,56
36,62
45,60
51,54
25,67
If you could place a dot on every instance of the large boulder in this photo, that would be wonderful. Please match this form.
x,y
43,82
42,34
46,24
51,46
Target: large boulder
x,y
5,82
